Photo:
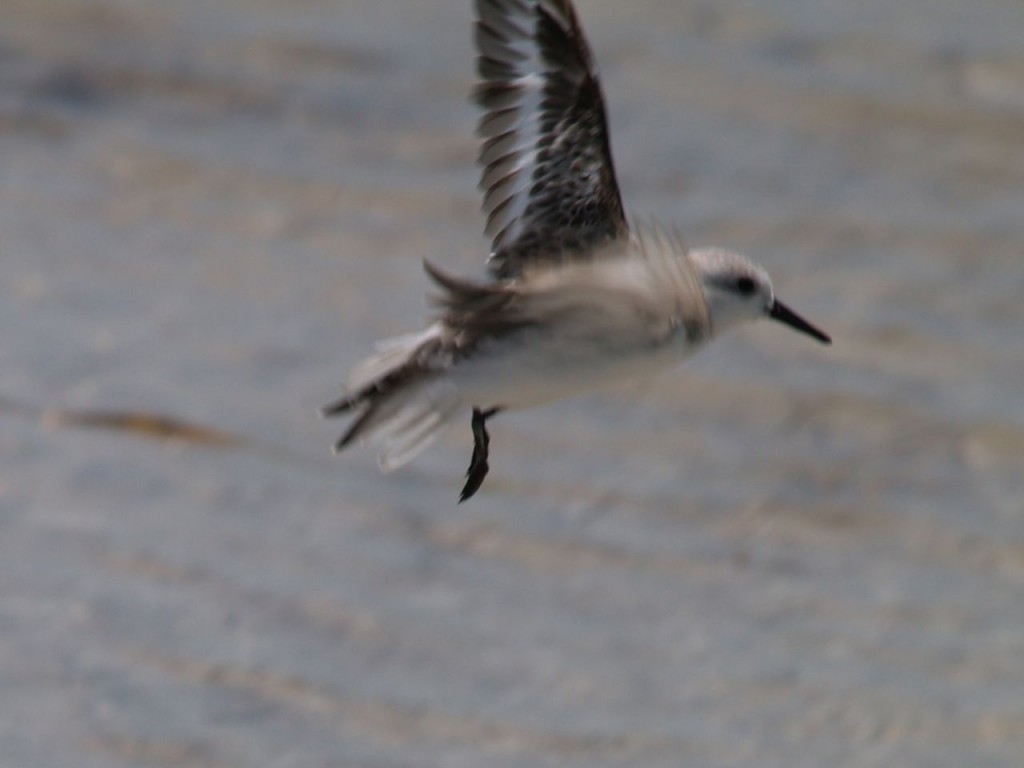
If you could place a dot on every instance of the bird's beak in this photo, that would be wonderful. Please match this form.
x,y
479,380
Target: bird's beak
x,y
783,314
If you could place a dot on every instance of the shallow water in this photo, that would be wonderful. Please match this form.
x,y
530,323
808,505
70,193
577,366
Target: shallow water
x,y
778,555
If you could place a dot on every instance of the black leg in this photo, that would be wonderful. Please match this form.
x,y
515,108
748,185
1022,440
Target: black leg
x,y
478,467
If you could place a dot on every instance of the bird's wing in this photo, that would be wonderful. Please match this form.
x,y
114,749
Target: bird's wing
x,y
546,168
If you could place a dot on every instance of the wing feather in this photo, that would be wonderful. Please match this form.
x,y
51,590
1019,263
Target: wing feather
x,y
547,175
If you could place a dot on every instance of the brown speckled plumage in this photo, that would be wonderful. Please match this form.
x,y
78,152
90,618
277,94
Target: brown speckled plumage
x,y
549,183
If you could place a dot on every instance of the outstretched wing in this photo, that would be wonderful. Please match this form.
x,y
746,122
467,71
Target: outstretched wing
x,y
547,174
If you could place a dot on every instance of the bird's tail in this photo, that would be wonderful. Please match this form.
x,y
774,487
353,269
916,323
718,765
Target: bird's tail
x,y
398,398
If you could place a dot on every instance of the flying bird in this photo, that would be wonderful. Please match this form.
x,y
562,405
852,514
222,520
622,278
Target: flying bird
x,y
577,298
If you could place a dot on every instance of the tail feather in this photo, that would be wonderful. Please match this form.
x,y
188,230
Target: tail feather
x,y
391,355
401,402
358,427
404,422
338,407
405,447
393,360
415,427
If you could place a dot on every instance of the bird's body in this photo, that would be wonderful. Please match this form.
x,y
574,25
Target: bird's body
x,y
623,316
578,299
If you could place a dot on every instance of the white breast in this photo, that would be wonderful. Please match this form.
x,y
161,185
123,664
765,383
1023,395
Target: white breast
x,y
534,369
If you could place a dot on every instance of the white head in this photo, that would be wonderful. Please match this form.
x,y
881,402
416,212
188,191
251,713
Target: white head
x,y
737,291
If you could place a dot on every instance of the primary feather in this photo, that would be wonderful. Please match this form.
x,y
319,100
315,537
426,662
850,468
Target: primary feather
x,y
546,167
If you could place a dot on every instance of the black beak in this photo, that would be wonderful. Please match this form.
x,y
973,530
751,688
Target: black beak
x,y
784,314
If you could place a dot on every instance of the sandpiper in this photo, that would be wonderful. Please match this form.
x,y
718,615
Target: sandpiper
x,y
577,298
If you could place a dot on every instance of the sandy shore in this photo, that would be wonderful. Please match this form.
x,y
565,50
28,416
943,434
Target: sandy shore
x,y
779,555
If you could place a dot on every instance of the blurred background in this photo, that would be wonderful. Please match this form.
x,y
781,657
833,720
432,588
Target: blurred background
x,y
778,555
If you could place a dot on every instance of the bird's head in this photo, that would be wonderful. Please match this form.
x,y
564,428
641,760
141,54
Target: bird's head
x,y
737,290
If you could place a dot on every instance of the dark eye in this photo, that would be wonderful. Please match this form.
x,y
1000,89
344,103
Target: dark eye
x,y
746,286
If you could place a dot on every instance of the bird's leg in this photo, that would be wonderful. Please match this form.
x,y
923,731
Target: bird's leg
x,y
478,463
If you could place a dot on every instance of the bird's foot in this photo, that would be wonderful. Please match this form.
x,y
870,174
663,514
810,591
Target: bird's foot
x,y
478,466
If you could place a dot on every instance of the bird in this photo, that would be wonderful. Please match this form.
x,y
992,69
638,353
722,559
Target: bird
x,y
576,296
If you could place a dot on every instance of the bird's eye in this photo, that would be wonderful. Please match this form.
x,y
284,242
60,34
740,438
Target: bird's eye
x,y
746,286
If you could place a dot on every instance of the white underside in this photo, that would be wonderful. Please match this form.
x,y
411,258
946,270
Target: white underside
x,y
537,370
521,372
